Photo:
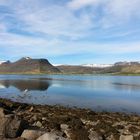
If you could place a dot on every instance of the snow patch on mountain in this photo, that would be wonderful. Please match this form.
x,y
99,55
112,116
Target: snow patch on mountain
x,y
97,65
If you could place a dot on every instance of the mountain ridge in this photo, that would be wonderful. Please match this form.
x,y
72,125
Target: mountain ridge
x,y
27,65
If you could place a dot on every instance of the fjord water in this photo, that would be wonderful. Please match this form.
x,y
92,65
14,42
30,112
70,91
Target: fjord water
x,y
99,93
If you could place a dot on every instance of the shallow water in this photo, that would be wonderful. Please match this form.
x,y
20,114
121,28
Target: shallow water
x,y
100,93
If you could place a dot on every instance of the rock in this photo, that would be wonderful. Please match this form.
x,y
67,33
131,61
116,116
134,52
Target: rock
x,y
94,136
44,119
34,118
64,127
10,127
51,136
38,124
31,109
126,132
14,128
2,114
111,137
126,137
31,134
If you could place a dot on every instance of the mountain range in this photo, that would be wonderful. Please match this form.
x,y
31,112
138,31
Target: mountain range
x,y
27,65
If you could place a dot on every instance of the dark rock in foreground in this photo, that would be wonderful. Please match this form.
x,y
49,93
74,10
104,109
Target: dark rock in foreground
x,y
35,122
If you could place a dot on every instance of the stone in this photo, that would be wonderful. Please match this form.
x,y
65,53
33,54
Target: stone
x,y
64,127
38,124
3,123
126,132
31,109
2,114
94,136
44,119
51,136
14,128
111,137
32,134
10,127
126,137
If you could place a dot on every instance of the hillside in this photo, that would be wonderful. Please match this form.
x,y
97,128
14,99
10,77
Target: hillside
x,y
42,66
122,69
28,66
70,69
117,68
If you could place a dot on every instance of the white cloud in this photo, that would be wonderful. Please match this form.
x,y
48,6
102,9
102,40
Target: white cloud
x,y
59,27
114,12
77,4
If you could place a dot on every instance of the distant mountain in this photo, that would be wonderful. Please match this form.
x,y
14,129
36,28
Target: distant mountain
x,y
97,65
123,68
1,62
71,69
117,68
28,65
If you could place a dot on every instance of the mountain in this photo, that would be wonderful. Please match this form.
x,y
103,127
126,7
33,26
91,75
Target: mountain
x,y
28,65
1,62
71,69
97,65
117,68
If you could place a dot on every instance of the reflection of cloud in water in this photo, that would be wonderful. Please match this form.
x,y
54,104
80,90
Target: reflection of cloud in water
x,y
25,85
2,86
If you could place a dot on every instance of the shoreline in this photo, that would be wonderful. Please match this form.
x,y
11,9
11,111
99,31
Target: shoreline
x,y
66,123
76,74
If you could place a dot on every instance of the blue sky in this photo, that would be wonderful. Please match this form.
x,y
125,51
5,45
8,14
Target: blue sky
x,y
70,31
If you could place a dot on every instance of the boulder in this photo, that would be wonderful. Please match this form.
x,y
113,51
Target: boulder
x,y
3,124
32,134
10,127
14,128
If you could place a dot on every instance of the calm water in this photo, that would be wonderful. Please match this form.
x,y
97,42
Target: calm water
x,y
108,93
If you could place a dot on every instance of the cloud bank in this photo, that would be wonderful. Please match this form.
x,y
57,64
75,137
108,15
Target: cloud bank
x,y
44,28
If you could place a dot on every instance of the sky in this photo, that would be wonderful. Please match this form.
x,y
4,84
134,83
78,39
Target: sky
x,y
70,31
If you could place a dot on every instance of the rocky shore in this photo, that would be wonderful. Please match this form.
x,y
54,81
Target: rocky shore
x,y
35,122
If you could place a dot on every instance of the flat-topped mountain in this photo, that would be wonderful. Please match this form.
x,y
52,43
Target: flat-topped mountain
x,y
27,65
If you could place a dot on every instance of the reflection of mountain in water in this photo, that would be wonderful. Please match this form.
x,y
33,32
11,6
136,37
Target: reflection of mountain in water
x,y
126,86
26,84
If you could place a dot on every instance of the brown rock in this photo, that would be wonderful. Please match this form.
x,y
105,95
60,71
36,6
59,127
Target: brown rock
x,y
2,114
51,136
94,136
126,137
10,127
32,134
14,128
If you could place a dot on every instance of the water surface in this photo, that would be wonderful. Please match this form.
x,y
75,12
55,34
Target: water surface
x,y
100,93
